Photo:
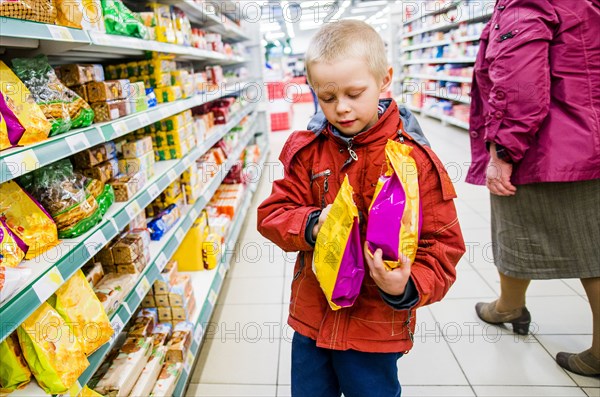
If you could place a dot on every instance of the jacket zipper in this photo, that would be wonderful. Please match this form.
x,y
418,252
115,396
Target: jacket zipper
x,y
407,323
326,174
352,152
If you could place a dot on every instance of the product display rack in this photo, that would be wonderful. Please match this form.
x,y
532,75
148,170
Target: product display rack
x,y
431,81
53,268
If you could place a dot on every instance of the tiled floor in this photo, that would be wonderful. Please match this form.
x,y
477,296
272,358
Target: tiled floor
x,y
247,350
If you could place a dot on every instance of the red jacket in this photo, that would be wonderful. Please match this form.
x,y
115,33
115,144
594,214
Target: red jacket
x,y
370,325
536,91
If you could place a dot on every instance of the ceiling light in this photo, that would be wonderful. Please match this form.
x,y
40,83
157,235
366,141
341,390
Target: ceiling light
x,y
371,3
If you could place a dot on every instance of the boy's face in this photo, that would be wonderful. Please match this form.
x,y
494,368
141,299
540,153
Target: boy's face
x,y
348,93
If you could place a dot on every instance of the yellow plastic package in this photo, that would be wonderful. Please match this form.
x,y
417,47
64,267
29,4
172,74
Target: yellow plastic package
x,y
14,372
338,259
211,251
12,248
27,219
54,356
77,303
87,392
80,14
22,104
189,254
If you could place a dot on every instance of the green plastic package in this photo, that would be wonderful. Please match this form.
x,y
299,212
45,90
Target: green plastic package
x,y
14,372
120,20
63,108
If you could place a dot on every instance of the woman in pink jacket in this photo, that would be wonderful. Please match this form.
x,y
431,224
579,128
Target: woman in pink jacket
x,y
535,143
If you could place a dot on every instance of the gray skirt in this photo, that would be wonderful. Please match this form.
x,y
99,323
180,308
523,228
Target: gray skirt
x,y
548,231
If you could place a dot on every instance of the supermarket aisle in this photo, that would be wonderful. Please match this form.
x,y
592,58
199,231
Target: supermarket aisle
x,y
247,350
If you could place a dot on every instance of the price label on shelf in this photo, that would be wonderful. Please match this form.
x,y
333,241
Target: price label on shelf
x,y
161,262
179,235
143,287
22,162
117,325
198,333
212,297
48,284
60,33
77,142
172,174
133,209
222,271
153,191
95,242
144,119
120,128
189,362
193,214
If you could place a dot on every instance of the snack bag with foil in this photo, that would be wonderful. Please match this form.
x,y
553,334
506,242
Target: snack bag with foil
x,y
87,392
120,20
64,195
62,106
14,372
27,219
33,10
338,259
12,248
55,358
20,111
80,14
79,306
395,214
12,279
11,130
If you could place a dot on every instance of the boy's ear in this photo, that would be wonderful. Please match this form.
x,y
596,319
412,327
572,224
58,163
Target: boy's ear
x,y
387,79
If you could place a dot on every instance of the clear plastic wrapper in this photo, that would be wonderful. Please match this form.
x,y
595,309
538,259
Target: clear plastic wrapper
x,y
33,10
80,14
120,20
10,280
61,106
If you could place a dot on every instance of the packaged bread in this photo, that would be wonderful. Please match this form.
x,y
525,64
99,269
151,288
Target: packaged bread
x,y
180,342
27,219
34,10
77,303
143,163
139,222
80,14
14,372
21,111
103,172
112,289
136,266
110,90
93,272
127,186
167,380
61,106
108,111
137,148
77,74
148,301
55,358
150,373
126,368
95,155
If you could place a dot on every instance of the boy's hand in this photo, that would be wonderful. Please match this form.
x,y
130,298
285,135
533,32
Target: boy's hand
x,y
322,218
392,282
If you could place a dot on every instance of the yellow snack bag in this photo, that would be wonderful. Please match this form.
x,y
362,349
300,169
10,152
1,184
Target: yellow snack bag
x,y
27,219
12,248
338,260
14,372
21,103
189,254
87,392
77,303
211,251
54,356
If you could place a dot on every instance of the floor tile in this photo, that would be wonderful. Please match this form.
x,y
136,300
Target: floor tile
x,y
425,323
480,235
284,391
572,344
507,360
592,391
430,355
469,284
228,390
247,322
437,391
253,290
519,391
456,318
536,288
575,284
285,363
560,315
255,261
243,362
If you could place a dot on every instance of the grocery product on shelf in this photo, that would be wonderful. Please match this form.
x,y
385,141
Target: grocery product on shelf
x,y
112,289
11,278
167,379
24,121
33,10
80,14
120,20
12,248
14,371
54,357
76,302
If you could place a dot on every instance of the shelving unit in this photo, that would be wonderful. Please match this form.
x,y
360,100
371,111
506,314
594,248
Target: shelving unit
x,y
50,271
424,80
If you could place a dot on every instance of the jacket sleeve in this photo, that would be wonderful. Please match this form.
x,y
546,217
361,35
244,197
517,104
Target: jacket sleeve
x,y
441,244
519,70
283,216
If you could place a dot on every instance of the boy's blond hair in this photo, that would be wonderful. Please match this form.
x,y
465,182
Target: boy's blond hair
x,y
348,39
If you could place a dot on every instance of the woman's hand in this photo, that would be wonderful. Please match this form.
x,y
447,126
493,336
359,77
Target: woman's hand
x,y
392,282
498,175
322,218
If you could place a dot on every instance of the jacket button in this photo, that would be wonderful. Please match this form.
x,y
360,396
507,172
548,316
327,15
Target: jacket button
x,y
496,26
501,8
474,134
499,114
500,95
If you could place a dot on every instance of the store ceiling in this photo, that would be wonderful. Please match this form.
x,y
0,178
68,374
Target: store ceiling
x,y
298,20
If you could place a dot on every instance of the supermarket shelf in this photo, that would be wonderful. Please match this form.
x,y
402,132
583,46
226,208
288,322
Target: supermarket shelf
x,y
207,286
426,45
455,79
74,43
161,252
438,60
480,16
465,39
413,107
440,10
18,161
451,97
50,270
442,117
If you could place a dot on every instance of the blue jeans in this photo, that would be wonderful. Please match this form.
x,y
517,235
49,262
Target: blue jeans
x,y
318,372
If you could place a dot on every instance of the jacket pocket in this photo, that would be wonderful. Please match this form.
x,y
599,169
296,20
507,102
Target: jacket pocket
x,y
319,182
